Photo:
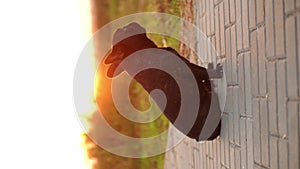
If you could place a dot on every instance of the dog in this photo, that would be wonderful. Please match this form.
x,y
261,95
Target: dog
x,y
132,38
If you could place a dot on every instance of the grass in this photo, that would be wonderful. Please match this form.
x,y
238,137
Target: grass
x,y
139,97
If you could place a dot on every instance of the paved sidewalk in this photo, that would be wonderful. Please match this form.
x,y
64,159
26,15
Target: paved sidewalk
x,y
260,125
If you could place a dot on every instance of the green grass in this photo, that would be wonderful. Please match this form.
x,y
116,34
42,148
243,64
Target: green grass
x,y
119,9
139,96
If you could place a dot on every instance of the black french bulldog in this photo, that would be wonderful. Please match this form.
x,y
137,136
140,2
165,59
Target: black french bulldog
x,y
133,38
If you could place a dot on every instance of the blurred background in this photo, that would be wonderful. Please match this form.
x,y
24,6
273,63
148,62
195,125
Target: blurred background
x,y
40,43
102,12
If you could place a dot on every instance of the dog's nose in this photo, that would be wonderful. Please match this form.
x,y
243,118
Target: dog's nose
x,y
109,58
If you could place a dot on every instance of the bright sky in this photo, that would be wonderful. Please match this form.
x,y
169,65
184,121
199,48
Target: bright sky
x,y
40,42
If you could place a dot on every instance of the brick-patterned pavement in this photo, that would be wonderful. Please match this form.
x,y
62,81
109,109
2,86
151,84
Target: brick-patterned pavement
x,y
260,125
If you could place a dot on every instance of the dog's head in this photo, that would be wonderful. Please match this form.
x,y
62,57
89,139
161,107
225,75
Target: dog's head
x,y
126,41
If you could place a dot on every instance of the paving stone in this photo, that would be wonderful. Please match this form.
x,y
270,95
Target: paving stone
x,y
260,128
